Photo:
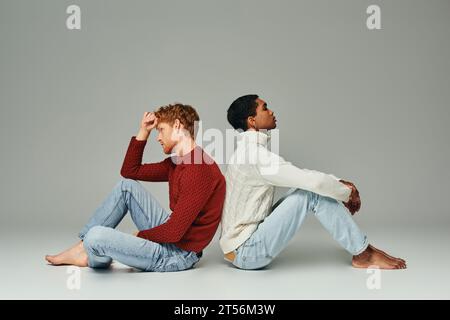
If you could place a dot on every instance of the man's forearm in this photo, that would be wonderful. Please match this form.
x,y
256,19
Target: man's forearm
x,y
142,135
290,176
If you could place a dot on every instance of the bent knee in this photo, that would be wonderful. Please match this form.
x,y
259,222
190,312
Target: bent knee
x,y
301,193
127,181
95,235
126,184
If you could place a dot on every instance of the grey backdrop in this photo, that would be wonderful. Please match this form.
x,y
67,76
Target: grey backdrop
x,y
369,106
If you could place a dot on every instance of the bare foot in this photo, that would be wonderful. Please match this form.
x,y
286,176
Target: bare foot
x,y
387,255
75,247
75,255
373,257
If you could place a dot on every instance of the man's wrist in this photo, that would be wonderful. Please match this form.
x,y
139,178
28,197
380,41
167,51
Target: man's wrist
x,y
142,135
345,183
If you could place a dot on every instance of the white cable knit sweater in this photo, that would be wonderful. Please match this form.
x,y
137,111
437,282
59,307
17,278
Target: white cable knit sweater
x,y
252,173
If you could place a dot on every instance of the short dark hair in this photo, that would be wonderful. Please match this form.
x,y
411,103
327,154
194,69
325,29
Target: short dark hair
x,y
242,108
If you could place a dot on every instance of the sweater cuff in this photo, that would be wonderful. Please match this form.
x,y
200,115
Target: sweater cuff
x,y
333,176
140,235
133,139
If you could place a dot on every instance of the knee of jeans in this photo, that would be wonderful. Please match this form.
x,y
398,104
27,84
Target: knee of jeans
x,y
125,182
128,182
310,196
304,194
95,235
300,193
327,200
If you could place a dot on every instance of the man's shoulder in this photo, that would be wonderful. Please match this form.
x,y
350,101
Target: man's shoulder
x,y
203,164
250,154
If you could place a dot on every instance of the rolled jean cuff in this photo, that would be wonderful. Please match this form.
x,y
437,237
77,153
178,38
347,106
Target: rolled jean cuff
x,y
82,234
98,262
364,247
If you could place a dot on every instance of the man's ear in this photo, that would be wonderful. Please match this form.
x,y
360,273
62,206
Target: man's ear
x,y
251,122
177,124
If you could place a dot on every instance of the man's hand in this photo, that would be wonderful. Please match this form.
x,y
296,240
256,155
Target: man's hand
x,y
135,233
354,203
149,121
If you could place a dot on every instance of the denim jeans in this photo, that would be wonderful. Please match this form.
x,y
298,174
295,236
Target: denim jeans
x,y
103,243
285,219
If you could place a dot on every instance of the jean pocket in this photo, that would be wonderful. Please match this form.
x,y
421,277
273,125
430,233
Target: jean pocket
x,y
170,264
177,262
254,255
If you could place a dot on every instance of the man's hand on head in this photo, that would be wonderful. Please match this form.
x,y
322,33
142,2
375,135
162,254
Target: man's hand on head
x,y
149,121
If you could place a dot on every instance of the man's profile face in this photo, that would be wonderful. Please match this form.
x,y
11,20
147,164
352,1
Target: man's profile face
x,y
264,118
165,131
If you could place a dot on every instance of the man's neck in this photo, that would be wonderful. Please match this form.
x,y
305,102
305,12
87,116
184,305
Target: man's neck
x,y
266,131
183,147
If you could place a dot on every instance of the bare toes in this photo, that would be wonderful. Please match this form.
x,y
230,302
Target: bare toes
x,y
50,259
388,266
396,258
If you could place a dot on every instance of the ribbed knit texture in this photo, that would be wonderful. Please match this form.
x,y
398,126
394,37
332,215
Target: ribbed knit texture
x,y
196,195
252,174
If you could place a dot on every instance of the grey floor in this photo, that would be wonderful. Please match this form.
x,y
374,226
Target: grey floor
x,y
312,267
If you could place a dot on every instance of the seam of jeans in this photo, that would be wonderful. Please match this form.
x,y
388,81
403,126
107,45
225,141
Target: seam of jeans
x,y
138,204
364,247
163,255
169,252
109,216
118,250
140,207
182,264
104,223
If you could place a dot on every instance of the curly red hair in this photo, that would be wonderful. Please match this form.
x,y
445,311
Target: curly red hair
x,y
186,114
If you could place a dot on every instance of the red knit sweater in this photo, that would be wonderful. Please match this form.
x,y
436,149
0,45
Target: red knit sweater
x,y
196,195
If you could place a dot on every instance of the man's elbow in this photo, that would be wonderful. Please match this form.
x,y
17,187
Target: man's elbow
x,y
176,237
126,174
317,185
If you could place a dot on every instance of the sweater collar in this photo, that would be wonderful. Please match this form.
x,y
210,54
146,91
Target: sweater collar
x,y
257,137
192,157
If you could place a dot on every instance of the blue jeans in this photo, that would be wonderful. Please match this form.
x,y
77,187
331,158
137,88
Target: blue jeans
x,y
274,233
103,243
